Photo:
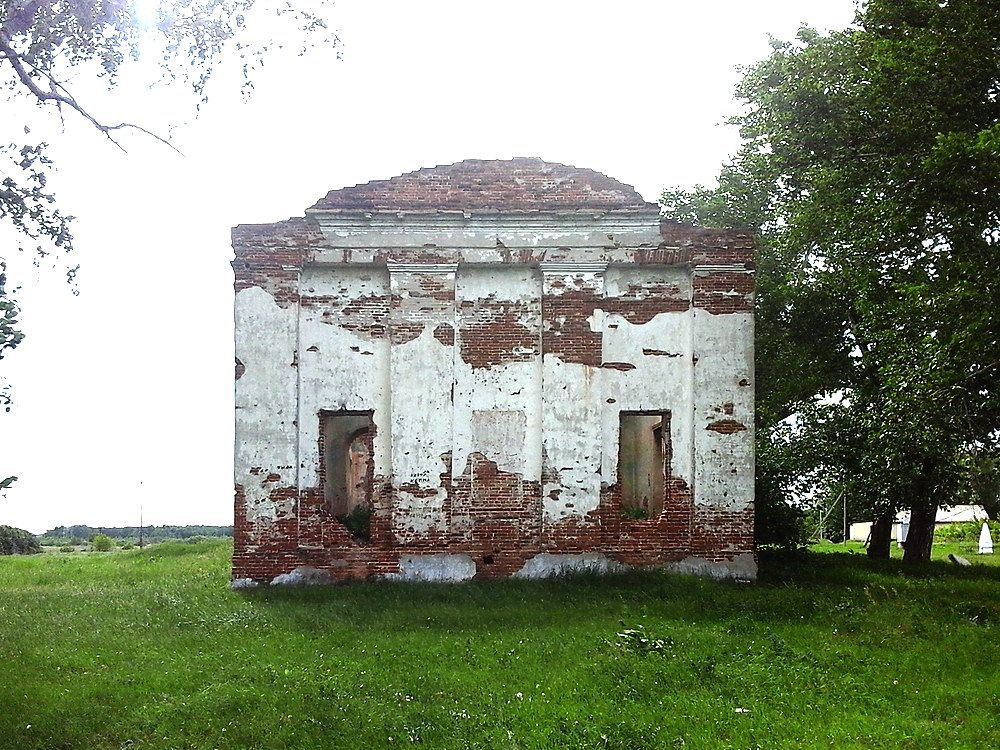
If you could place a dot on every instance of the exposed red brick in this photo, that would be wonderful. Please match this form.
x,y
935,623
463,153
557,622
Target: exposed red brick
x,y
445,333
523,184
568,305
724,292
708,246
420,300
726,426
365,315
622,366
493,332
643,302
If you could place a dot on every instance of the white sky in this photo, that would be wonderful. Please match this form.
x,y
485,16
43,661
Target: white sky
x,y
123,394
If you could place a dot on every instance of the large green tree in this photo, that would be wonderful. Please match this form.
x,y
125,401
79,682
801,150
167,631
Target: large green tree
x,y
870,171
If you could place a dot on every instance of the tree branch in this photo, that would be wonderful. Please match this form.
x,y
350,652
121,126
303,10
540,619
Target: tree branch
x,y
64,97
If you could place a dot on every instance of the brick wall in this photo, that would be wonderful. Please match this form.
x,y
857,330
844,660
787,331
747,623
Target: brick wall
x,y
492,390
495,516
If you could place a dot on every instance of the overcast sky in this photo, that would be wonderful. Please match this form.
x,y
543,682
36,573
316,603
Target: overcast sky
x,y
123,394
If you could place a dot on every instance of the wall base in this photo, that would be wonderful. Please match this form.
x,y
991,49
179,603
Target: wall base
x,y
456,568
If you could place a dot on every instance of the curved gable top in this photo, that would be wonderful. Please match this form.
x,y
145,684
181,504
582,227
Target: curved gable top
x,y
521,185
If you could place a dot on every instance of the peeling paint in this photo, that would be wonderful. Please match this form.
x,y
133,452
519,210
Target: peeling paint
x,y
495,353
440,568
547,565
742,567
303,576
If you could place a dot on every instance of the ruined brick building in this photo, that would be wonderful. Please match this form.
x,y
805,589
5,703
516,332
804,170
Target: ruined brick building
x,y
492,368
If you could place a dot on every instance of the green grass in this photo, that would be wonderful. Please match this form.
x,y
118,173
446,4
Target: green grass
x,y
149,649
939,551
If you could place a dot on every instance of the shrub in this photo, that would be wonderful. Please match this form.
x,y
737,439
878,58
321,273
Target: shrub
x,y
100,543
128,545
777,524
638,639
967,531
14,541
67,548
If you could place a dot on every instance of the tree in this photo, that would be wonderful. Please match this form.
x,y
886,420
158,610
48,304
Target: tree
x,y
870,170
101,543
42,41
14,541
10,337
983,481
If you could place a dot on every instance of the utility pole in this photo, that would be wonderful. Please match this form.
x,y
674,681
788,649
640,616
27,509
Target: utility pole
x,y
843,499
141,543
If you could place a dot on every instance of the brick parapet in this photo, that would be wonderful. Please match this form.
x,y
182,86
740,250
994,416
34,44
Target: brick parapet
x,y
707,247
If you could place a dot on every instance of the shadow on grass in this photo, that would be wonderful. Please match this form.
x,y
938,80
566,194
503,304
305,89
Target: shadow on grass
x,y
853,568
799,586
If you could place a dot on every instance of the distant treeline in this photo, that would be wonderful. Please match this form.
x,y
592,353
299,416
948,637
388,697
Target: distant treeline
x,y
80,534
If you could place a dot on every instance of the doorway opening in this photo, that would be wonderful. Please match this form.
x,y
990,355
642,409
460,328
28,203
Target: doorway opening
x,y
643,460
347,468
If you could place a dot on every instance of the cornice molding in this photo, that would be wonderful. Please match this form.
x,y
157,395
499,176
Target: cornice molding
x,y
722,267
358,221
421,267
570,267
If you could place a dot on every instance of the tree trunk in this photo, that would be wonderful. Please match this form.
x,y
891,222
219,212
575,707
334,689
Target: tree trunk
x,y
881,537
918,540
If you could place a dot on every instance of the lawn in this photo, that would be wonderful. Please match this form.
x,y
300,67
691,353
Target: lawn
x,y
968,550
149,649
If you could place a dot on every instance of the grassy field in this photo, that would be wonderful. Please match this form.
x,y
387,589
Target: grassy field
x,y
939,552
149,649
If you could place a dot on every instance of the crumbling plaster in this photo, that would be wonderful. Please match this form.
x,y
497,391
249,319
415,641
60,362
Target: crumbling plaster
x,y
496,348
266,395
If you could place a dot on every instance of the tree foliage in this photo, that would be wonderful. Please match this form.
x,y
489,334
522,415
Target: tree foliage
x,y
70,534
10,337
14,541
43,42
101,543
870,170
